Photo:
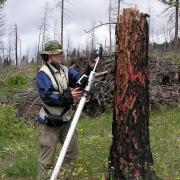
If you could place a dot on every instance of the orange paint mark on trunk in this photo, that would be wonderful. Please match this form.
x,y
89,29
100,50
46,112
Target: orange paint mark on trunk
x,y
137,76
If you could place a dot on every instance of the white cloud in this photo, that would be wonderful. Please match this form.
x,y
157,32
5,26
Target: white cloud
x,y
79,16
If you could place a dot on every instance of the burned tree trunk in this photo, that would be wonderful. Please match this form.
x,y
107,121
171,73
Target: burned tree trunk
x,y
130,155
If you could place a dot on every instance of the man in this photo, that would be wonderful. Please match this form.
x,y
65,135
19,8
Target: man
x,y
54,82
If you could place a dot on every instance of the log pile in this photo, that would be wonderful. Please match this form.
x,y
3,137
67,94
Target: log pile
x,y
164,85
164,88
102,91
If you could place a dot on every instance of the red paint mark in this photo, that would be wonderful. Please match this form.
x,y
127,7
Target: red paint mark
x,y
127,103
137,174
137,76
119,99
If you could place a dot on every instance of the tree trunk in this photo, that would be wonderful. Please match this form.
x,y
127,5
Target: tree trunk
x,y
176,28
130,154
110,37
93,37
119,5
44,26
16,45
62,22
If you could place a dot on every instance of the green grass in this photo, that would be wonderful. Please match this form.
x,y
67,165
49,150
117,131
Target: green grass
x,y
165,142
165,56
24,167
13,80
19,152
95,139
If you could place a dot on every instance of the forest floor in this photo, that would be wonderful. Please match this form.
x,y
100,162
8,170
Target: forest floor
x,y
165,55
19,144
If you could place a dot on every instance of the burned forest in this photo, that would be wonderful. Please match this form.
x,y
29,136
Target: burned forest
x,y
89,90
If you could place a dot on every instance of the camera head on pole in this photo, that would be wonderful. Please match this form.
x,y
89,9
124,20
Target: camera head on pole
x,y
96,52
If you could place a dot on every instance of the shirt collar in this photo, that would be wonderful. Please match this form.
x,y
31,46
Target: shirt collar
x,y
53,67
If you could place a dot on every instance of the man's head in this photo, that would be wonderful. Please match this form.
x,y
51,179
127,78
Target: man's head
x,y
53,52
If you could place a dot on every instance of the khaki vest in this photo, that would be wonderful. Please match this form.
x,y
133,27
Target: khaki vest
x,y
62,78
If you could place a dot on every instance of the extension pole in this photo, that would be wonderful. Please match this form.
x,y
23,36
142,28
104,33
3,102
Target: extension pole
x,y
74,123
68,138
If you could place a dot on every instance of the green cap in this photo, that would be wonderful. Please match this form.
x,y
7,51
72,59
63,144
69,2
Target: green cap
x,y
52,47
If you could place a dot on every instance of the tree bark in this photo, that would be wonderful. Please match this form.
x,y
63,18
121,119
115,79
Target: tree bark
x,y
130,154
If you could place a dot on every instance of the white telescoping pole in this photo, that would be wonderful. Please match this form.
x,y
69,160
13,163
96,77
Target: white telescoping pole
x,y
73,124
68,138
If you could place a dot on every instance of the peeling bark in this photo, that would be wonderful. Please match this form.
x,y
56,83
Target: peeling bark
x,y
130,154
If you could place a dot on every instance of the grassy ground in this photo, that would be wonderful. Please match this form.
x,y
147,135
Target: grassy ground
x,y
165,142
165,55
19,145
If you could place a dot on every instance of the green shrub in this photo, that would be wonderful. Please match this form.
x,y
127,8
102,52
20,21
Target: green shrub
x,y
15,83
10,125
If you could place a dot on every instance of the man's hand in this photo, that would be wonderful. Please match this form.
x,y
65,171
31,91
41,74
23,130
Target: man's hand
x,y
76,93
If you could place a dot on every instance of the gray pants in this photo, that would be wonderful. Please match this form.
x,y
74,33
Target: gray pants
x,y
49,137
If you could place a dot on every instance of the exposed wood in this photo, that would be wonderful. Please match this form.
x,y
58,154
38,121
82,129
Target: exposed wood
x,y
101,74
130,154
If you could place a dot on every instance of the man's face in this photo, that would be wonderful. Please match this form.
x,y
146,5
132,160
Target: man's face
x,y
56,58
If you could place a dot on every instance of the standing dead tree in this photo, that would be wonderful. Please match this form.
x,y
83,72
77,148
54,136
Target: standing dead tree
x,y
39,41
62,22
110,38
173,18
61,6
2,32
45,25
16,44
130,154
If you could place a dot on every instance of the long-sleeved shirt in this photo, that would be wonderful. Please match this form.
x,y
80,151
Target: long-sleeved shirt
x,y
46,89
